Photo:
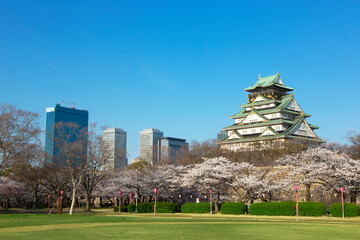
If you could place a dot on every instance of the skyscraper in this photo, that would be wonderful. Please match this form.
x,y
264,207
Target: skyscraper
x,y
169,149
58,114
115,142
148,144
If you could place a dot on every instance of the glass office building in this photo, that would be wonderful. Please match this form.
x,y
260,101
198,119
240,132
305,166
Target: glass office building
x,y
59,114
148,144
169,149
114,140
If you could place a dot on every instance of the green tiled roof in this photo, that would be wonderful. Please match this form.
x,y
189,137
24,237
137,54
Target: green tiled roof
x,y
297,121
260,103
272,130
270,122
285,100
313,126
267,82
268,138
238,114
305,138
252,139
260,115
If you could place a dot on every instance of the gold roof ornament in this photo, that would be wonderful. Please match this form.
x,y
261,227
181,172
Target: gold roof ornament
x,y
252,108
302,113
277,73
259,77
292,94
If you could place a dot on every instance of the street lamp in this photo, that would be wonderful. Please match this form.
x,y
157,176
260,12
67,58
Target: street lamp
x,y
137,189
49,201
60,203
119,200
211,211
342,200
297,202
155,191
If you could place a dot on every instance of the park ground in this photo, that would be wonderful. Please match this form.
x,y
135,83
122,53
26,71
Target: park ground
x,y
105,224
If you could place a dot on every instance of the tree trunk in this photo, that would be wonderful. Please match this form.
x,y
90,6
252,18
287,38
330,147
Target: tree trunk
x,y
34,198
353,195
73,200
87,201
308,193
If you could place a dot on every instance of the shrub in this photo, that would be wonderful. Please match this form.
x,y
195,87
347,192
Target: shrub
x,y
123,209
148,207
233,208
145,207
312,209
131,207
166,207
351,210
273,208
196,207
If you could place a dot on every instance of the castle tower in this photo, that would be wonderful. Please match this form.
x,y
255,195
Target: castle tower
x,y
271,114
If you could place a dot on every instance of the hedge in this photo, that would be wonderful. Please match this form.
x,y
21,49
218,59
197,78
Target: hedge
x,y
287,209
132,207
311,209
123,209
273,208
233,208
351,210
166,207
148,207
196,207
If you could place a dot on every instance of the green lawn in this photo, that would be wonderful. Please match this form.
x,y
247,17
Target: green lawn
x,y
174,226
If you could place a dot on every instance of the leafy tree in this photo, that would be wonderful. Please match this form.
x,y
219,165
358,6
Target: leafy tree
x,y
19,134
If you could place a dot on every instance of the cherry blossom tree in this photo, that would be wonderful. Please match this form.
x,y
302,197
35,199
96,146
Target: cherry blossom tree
x,y
322,166
215,173
12,192
258,183
168,179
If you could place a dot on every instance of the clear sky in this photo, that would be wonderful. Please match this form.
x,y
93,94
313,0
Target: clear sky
x,y
180,66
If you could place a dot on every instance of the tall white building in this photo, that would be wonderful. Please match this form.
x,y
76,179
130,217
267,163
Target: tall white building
x,y
115,140
149,139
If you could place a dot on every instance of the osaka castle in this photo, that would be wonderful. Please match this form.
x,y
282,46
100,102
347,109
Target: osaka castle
x,y
271,115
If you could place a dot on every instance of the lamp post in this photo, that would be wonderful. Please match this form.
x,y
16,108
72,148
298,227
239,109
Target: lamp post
x,y
211,211
49,201
130,201
119,200
342,200
297,202
60,203
155,191
137,189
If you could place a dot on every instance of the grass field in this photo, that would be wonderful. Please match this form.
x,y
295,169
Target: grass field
x,y
107,225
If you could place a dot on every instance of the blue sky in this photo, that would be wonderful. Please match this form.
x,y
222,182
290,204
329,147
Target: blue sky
x,y
180,66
